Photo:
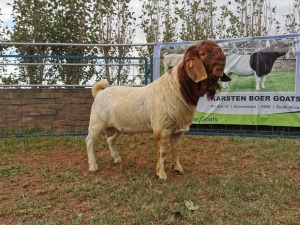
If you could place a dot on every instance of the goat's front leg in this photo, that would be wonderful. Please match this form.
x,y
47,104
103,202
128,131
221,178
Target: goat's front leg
x,y
162,141
175,142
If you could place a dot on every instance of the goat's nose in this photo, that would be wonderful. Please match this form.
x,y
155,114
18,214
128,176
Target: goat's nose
x,y
218,71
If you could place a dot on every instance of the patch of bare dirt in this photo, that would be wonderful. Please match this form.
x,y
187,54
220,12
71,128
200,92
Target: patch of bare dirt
x,y
201,157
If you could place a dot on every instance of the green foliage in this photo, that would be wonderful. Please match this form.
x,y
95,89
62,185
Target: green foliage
x,y
116,22
71,21
197,17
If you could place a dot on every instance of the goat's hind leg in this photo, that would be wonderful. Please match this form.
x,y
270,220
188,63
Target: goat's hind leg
x,y
111,135
175,141
91,140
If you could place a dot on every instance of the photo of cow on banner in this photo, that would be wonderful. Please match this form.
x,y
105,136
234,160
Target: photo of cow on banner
x,y
264,87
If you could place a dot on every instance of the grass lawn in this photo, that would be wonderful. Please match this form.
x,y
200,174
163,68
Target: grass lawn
x,y
227,180
277,81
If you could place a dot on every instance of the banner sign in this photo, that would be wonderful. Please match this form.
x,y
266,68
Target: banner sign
x,y
265,81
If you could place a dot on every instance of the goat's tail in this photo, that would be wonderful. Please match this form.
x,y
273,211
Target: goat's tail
x,y
98,87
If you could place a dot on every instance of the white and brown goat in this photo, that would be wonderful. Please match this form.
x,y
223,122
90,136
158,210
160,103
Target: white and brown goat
x,y
165,107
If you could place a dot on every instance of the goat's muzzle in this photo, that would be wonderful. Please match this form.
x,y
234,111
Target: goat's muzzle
x,y
217,72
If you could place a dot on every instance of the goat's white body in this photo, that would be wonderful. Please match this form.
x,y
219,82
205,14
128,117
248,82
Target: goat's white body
x,y
158,107
165,107
127,112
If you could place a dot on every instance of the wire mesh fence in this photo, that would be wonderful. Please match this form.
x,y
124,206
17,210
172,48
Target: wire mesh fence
x,y
245,130
50,94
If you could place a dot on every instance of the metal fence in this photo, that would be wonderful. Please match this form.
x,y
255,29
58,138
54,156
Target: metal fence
x,y
83,68
50,106
245,130
48,94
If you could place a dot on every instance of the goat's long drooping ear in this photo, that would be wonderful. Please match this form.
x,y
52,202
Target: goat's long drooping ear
x,y
194,66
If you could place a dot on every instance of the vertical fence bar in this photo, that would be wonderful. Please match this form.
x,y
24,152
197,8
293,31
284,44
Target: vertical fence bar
x,y
146,71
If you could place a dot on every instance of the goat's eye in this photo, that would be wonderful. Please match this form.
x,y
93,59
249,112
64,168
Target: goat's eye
x,y
202,54
220,69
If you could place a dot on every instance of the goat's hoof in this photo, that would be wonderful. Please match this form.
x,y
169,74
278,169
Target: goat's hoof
x,y
162,176
117,160
178,170
93,167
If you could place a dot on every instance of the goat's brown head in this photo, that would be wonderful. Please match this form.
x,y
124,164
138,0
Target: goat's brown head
x,y
204,64
204,59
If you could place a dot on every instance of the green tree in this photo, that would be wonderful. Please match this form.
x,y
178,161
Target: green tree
x,y
124,33
70,21
5,34
197,19
69,24
223,30
150,22
169,22
292,19
102,30
31,23
254,18
112,23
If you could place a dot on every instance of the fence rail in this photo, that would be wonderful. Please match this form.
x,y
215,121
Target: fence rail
x,y
87,69
37,99
64,109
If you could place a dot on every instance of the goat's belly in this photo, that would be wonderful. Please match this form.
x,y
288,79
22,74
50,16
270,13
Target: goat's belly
x,y
127,130
132,128
131,124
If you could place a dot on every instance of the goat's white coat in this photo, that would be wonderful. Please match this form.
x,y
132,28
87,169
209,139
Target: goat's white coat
x,y
144,109
158,107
